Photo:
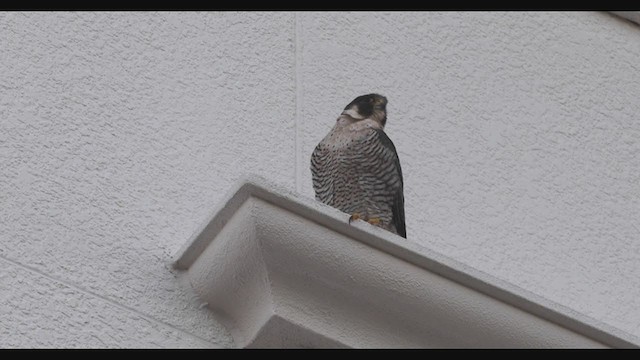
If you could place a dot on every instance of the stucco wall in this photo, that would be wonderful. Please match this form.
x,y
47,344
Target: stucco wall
x,y
518,135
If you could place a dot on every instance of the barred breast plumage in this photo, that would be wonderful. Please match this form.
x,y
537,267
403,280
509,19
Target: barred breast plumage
x,y
356,169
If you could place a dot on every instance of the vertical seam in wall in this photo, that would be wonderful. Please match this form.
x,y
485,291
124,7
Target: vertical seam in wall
x,y
298,100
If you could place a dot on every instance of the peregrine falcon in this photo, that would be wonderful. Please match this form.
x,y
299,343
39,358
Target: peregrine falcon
x,y
356,169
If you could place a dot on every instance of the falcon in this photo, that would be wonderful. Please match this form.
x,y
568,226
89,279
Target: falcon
x,y
356,169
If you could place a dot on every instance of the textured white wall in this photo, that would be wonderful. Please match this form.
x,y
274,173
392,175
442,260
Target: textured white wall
x,y
119,133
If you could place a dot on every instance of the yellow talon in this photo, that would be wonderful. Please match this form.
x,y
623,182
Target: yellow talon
x,y
354,217
375,221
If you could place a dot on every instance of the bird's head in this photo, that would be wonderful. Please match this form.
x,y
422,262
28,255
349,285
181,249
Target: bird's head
x,y
370,106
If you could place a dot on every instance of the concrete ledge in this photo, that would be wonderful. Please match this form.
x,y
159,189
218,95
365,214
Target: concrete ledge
x,y
282,270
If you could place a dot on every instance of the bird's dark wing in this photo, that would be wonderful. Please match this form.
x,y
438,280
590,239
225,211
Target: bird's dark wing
x,y
322,182
398,199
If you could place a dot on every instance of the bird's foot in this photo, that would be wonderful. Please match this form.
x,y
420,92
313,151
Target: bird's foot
x,y
354,217
375,221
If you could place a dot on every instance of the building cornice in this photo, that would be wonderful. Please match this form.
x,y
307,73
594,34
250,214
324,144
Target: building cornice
x,y
283,270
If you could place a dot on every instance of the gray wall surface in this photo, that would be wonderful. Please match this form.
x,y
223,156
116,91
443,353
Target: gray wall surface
x,y
518,135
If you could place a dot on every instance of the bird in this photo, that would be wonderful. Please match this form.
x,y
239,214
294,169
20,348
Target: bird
x,y
355,168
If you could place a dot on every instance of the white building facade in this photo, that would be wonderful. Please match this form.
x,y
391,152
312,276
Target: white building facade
x,y
518,135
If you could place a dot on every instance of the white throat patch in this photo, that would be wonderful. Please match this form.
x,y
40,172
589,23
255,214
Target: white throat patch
x,y
353,113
